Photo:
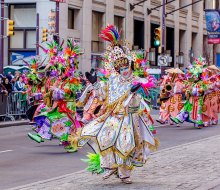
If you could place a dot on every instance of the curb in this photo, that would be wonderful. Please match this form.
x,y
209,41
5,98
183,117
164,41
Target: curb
x,y
13,123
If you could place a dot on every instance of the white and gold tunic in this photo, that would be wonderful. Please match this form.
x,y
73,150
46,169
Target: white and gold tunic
x,y
122,135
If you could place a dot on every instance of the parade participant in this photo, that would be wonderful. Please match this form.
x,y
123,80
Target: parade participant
x,y
210,105
192,110
92,106
121,134
166,88
176,99
218,92
140,67
90,101
51,73
34,79
61,119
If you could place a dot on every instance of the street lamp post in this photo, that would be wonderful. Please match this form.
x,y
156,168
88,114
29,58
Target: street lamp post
x,y
57,20
2,37
56,36
37,35
163,26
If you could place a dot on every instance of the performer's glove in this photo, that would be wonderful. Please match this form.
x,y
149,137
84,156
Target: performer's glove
x,y
91,78
134,88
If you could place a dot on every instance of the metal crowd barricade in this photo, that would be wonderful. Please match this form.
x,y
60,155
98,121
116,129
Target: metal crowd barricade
x,y
16,105
3,105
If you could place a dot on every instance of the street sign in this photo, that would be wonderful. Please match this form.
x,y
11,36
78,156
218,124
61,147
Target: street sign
x,y
162,60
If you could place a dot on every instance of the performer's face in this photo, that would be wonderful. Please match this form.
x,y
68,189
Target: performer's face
x,y
125,71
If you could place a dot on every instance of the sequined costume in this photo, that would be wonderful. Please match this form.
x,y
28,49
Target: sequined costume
x,y
60,118
192,110
171,90
121,135
210,105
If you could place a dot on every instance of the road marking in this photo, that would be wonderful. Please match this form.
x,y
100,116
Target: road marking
x,y
5,151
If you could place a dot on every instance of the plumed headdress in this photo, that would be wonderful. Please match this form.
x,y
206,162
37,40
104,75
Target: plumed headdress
x,y
116,55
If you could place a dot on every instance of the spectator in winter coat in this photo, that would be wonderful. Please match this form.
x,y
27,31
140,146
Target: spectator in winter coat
x,y
19,85
3,90
9,76
8,85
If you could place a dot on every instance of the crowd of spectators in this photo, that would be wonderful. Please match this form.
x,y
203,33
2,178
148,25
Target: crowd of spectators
x,y
11,83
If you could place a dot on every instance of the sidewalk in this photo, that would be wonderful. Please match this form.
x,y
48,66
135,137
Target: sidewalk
x,y
194,165
13,123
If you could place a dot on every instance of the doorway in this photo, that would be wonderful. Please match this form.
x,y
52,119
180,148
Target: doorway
x,y
138,34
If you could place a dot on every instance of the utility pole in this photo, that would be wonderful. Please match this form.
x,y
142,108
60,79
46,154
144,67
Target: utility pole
x,y
37,35
214,45
57,20
2,36
163,26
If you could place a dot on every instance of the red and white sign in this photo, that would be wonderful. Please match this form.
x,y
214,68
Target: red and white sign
x,y
59,1
214,41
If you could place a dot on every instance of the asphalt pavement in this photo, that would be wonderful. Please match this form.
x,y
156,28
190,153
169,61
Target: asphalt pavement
x,y
23,161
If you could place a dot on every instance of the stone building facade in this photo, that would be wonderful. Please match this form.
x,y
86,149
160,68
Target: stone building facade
x,y
83,19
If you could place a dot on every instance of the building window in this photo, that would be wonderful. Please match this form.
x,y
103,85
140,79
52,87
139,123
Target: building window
x,y
30,39
17,41
23,15
23,44
217,4
97,24
71,18
119,23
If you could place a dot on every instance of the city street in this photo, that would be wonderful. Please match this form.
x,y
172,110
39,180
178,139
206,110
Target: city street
x,y
89,71
23,161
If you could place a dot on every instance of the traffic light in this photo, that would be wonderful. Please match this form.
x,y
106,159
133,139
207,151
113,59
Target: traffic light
x,y
44,34
157,37
10,28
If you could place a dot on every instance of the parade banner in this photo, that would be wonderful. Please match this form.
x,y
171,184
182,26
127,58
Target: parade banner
x,y
213,26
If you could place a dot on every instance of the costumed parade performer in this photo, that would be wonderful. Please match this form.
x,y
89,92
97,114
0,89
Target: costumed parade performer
x,y
90,100
195,90
176,99
140,66
210,105
171,89
121,136
35,82
59,118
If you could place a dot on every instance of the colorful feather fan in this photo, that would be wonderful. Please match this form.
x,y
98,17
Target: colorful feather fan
x,y
110,34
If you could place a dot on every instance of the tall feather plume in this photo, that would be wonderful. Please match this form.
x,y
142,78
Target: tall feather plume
x,y
110,34
74,47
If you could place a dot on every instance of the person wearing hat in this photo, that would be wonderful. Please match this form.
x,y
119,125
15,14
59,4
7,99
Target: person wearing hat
x,y
164,99
192,109
176,99
121,136
60,117
210,105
